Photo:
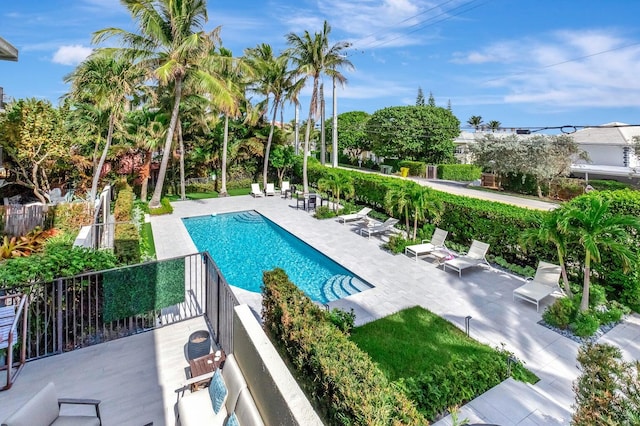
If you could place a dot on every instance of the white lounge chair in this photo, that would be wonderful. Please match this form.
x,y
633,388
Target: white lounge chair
x,y
384,227
474,257
255,190
542,285
285,190
270,190
436,243
354,215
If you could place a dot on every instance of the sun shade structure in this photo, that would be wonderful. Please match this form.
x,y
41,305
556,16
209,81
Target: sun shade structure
x,y
7,51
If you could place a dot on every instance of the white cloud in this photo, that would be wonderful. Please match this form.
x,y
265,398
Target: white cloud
x,y
71,55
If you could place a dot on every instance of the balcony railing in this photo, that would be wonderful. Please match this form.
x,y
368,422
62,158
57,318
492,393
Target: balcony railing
x,y
68,313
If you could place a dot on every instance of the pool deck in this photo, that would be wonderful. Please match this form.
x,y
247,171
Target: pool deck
x,y
399,282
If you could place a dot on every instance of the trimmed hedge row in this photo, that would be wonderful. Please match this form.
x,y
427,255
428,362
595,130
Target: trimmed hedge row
x,y
344,383
126,243
459,172
416,168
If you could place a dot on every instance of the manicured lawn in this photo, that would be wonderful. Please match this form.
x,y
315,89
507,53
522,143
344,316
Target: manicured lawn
x,y
147,237
413,341
204,195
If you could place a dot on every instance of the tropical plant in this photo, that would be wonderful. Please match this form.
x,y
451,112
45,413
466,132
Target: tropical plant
x,y
172,44
398,201
312,57
549,231
494,125
596,230
337,183
282,158
424,203
475,121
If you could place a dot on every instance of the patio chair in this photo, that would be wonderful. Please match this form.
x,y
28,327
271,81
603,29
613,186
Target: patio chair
x,y
436,243
354,215
270,190
44,409
286,190
383,228
9,318
255,190
474,257
542,285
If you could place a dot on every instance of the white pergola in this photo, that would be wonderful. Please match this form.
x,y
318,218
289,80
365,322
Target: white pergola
x,y
7,51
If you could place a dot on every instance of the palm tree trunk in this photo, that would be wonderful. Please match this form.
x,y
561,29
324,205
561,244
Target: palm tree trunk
x,y
103,157
267,150
406,220
323,140
565,279
223,166
584,304
145,173
183,195
157,192
312,106
415,226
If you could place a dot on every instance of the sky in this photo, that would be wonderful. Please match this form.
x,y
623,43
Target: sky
x,y
524,63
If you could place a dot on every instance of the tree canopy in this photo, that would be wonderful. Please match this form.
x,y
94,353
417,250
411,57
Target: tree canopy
x,y
414,132
352,134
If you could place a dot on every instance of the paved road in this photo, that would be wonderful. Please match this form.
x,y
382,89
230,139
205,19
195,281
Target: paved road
x,y
459,188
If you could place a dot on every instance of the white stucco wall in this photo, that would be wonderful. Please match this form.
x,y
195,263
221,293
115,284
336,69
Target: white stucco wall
x,y
605,155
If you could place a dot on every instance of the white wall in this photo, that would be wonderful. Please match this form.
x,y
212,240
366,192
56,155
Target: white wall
x,y
605,155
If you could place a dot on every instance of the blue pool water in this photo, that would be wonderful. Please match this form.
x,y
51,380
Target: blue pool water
x,y
244,244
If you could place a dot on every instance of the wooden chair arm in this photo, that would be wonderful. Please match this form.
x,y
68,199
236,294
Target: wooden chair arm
x,y
197,379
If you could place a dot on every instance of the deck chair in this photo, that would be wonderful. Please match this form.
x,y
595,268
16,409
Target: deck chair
x,y
383,228
542,285
285,190
12,307
344,218
474,257
255,190
436,243
270,189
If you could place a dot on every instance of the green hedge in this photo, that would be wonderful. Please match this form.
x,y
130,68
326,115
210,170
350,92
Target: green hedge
x,y
459,172
416,168
142,288
165,208
200,187
126,244
342,380
608,185
239,184
124,205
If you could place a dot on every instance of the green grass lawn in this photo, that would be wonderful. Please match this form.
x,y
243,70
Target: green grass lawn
x,y
412,341
147,237
204,195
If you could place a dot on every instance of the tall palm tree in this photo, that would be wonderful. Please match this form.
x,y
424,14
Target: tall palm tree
x,y
312,57
424,204
398,200
107,81
549,231
337,183
475,121
171,42
596,230
494,125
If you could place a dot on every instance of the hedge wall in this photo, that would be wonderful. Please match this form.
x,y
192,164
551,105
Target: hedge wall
x,y
343,382
416,168
126,243
459,172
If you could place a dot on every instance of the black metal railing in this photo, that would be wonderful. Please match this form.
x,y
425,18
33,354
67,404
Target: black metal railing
x,y
68,313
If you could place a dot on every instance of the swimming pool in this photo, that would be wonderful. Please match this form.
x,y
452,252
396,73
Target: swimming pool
x,y
244,244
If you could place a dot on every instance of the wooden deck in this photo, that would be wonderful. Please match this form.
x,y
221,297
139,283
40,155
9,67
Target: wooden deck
x,y
137,378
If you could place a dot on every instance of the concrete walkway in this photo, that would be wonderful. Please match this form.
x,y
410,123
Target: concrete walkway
x,y
401,282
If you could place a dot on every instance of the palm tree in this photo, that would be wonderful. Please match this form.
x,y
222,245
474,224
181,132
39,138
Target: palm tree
x,y
171,43
107,81
549,231
337,183
398,201
475,121
424,203
312,57
494,125
598,231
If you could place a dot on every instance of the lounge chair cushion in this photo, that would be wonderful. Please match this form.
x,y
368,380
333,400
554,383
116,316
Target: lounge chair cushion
x,y
195,409
534,291
217,391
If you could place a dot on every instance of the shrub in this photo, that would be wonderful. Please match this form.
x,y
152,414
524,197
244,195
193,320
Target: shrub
x,y
608,185
165,208
200,187
239,184
70,217
124,205
459,172
126,243
342,380
416,168
560,313
612,313
342,319
324,212
585,324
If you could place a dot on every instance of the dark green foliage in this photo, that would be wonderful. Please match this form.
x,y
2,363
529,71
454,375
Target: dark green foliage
x,y
201,187
341,380
459,172
143,288
416,168
239,184
342,319
523,271
560,313
165,208
126,244
124,205
608,185
397,243
520,183
585,324
324,212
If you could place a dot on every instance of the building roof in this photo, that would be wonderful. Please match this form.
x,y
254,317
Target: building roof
x,y
7,51
615,134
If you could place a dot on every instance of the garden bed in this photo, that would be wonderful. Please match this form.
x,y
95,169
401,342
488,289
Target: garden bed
x,y
601,331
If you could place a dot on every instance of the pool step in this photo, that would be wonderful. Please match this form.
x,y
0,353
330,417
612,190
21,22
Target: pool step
x,y
339,286
249,217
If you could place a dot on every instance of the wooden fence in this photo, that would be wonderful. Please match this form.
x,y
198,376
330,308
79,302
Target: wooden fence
x,y
16,220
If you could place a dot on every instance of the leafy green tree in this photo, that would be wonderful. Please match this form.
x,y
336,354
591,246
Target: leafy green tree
x,y
500,155
398,201
33,136
475,121
424,204
171,42
312,56
282,159
598,231
420,97
352,135
107,81
549,231
412,132
337,183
